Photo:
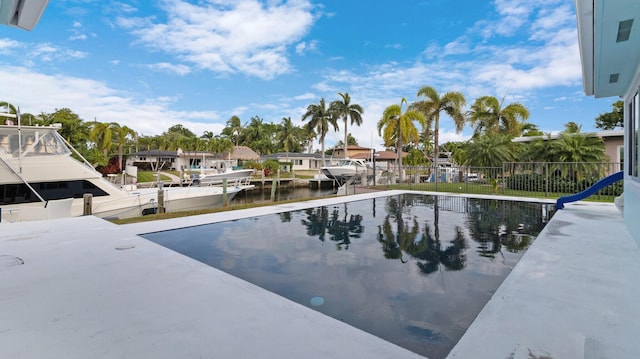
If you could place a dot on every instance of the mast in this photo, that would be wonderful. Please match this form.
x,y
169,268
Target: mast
x,y
19,141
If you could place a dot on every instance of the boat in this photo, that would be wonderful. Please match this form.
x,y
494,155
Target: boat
x,y
220,171
343,171
40,179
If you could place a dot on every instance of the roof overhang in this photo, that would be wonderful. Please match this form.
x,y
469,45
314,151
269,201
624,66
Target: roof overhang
x,y
24,14
609,37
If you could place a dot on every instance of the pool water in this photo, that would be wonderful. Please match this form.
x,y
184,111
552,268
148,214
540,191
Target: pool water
x,y
412,269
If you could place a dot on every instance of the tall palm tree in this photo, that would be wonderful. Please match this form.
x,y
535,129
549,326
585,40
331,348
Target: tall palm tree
x,y
488,116
346,110
397,128
123,135
320,118
451,103
287,135
235,127
256,135
101,134
309,136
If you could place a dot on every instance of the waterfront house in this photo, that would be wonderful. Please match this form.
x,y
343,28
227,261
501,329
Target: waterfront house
x,y
185,160
613,145
609,38
299,161
353,151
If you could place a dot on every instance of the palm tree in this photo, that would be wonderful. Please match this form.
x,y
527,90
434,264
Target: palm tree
x,y
490,151
10,109
257,136
235,128
399,128
542,149
123,134
309,136
530,130
488,116
220,145
451,103
579,147
320,119
74,130
287,135
572,127
345,109
101,134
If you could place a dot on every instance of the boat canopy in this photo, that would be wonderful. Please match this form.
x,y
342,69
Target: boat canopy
x,y
28,141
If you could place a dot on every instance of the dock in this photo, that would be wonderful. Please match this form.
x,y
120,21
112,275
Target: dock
x,y
323,183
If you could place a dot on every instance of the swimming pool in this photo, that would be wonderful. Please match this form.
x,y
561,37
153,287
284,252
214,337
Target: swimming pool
x,y
413,269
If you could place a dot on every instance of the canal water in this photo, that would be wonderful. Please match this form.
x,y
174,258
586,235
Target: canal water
x,y
282,194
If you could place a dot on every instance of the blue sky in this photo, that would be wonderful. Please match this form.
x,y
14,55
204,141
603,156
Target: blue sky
x,y
152,64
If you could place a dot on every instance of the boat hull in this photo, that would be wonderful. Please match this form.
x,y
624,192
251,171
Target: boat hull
x,y
232,177
136,204
339,174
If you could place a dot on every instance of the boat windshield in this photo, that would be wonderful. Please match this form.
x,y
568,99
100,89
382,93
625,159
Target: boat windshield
x,y
29,141
355,163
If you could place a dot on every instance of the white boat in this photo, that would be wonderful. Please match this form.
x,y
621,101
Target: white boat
x,y
40,179
220,172
346,169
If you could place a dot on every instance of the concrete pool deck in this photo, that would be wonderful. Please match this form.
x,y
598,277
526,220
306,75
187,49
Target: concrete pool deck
x,y
84,287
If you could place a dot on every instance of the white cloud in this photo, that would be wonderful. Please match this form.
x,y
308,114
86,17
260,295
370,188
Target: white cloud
x,y
305,96
228,36
35,92
305,47
47,53
170,68
8,46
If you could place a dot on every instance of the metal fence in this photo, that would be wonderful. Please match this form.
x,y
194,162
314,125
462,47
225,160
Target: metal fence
x,y
525,179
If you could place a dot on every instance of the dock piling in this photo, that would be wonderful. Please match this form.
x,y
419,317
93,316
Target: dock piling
x,y
87,200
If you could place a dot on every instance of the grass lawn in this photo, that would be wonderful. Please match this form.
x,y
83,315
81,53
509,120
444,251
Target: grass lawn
x,y
149,176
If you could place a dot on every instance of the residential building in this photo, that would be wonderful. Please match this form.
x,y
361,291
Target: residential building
x,y
353,151
299,161
609,38
613,144
188,160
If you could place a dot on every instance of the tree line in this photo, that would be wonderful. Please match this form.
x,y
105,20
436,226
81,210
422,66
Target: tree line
x,y
494,125
414,128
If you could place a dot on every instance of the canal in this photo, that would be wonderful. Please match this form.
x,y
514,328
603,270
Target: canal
x,y
282,194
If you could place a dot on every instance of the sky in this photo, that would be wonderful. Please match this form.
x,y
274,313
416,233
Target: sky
x,y
150,65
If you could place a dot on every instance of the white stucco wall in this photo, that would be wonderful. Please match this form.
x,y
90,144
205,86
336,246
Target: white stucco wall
x,y
631,184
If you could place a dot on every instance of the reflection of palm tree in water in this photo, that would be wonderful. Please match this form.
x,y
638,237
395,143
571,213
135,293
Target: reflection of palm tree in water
x,y
319,223
316,222
428,249
499,223
393,242
342,231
